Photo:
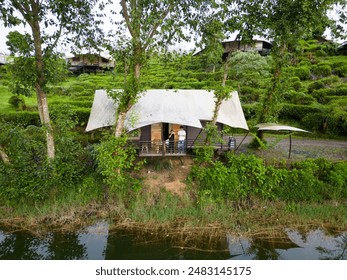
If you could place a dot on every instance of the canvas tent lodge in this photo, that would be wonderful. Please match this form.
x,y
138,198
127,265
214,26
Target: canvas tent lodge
x,y
158,111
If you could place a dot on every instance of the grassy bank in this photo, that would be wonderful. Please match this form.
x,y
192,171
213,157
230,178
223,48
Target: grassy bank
x,y
163,214
239,194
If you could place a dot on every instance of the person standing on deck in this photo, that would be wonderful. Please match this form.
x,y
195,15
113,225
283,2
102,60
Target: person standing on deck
x,y
181,140
171,141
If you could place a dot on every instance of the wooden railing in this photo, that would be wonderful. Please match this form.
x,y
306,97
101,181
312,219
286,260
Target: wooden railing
x,y
167,148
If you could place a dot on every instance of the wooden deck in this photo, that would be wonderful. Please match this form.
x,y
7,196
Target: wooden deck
x,y
151,154
163,149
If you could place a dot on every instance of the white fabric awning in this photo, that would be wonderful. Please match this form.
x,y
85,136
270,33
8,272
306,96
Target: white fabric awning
x,y
278,127
185,107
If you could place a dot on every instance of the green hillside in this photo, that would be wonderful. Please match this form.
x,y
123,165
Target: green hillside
x,y
314,94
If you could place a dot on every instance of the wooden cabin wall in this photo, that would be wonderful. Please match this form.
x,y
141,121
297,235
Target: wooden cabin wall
x,y
156,133
145,133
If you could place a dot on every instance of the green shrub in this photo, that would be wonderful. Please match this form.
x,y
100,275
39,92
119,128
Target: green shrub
x,y
341,71
321,95
251,172
302,72
250,110
337,181
21,118
315,85
76,89
298,98
30,177
218,183
297,85
249,94
115,160
82,115
322,70
341,90
17,102
73,104
298,112
244,176
314,122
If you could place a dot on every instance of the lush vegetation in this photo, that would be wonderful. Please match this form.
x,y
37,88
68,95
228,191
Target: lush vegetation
x,y
240,178
91,169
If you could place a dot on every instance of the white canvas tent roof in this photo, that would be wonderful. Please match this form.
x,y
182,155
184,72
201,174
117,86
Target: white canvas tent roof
x,y
185,107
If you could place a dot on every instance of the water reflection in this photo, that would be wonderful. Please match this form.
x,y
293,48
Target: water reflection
x,y
97,243
314,245
89,243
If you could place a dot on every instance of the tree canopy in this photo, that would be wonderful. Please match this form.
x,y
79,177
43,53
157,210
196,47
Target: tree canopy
x,y
67,17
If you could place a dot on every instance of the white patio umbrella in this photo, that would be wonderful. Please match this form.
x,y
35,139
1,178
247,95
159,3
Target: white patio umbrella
x,y
280,127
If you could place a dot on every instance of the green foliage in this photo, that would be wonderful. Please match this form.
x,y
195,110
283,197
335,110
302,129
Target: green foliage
x,y
17,101
298,98
302,72
315,86
19,43
242,177
204,154
298,112
29,176
322,70
249,68
115,160
160,164
21,118
341,71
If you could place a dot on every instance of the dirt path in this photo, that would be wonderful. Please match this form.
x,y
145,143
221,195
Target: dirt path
x,y
172,179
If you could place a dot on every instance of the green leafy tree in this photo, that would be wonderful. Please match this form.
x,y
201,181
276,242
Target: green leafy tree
x,y
249,68
285,22
66,18
146,26
213,32
223,19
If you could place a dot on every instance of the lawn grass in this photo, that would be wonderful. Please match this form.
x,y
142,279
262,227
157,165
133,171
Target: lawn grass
x,y
5,95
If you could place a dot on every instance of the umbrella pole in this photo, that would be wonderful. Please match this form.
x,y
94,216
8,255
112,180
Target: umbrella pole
x,y
290,145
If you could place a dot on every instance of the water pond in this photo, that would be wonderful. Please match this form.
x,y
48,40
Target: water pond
x,y
98,243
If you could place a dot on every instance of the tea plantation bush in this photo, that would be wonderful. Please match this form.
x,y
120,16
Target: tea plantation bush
x,y
243,176
302,72
21,118
298,112
322,70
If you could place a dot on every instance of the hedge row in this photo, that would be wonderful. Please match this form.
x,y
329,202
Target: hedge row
x,y
315,119
26,118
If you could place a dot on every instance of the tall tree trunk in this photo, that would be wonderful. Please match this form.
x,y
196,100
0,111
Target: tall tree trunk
x,y
268,100
40,94
218,103
121,114
120,124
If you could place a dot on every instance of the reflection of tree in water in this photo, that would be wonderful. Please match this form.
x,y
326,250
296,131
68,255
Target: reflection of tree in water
x,y
327,246
24,246
259,248
66,247
21,246
262,253
337,253
268,248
